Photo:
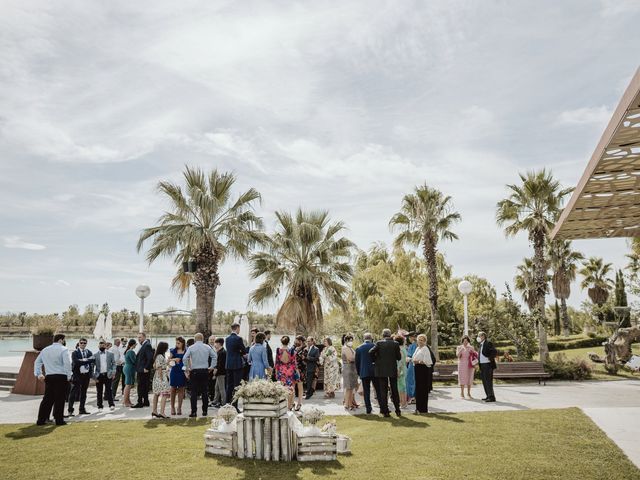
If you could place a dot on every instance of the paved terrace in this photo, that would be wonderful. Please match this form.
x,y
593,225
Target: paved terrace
x,y
614,406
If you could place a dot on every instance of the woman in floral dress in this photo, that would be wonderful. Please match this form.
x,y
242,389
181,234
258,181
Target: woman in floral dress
x,y
286,367
329,359
301,365
161,387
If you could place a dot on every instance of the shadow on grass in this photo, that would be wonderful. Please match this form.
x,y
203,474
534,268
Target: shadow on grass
x,y
183,422
253,469
31,431
404,421
447,417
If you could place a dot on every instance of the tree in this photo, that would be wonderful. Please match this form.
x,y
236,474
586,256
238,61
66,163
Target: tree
x,y
426,217
564,264
532,207
556,319
203,224
306,258
623,312
594,278
524,282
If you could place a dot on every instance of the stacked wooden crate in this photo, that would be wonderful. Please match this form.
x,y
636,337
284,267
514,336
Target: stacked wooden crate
x,y
221,443
320,447
263,431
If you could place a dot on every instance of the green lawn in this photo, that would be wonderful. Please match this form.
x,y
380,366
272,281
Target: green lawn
x,y
534,444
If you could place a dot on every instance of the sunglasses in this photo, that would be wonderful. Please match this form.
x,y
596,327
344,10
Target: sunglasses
x,y
83,343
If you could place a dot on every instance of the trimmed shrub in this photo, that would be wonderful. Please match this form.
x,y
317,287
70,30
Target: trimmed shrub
x,y
557,345
559,366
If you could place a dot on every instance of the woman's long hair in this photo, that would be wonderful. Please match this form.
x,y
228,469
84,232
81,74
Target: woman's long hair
x,y
161,349
130,344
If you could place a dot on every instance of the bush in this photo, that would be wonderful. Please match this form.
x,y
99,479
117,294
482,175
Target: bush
x,y
559,366
588,342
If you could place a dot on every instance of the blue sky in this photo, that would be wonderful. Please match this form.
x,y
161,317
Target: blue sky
x,y
337,105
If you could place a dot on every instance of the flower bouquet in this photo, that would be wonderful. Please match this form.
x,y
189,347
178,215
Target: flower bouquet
x,y
261,389
329,428
227,413
311,416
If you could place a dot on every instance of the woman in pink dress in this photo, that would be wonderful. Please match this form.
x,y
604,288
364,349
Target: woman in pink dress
x,y
467,357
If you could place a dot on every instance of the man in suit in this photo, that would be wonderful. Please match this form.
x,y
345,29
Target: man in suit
x,y
267,338
313,355
386,354
56,376
235,363
487,361
366,370
81,365
104,372
144,364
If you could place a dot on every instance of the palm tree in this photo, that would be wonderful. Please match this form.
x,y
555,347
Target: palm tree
x,y
426,217
204,224
306,258
532,207
524,283
564,263
594,278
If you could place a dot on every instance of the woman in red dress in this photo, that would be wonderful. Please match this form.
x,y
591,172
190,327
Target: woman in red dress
x,y
286,367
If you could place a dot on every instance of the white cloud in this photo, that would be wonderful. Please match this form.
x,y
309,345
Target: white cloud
x,y
584,116
62,283
15,241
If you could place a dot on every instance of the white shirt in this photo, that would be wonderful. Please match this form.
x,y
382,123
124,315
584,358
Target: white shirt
x,y
117,355
482,358
84,368
103,362
422,355
55,360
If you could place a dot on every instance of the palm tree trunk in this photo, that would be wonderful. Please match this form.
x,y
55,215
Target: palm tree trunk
x,y
206,281
540,277
429,248
565,317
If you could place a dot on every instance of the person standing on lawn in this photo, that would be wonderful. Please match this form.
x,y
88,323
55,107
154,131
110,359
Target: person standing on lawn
x,y
129,371
466,366
487,359
366,370
56,376
386,354
144,364
197,363
235,360
220,394
422,360
81,366
411,380
177,380
104,372
313,355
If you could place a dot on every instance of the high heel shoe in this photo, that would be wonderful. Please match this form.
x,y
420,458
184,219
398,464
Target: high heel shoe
x,y
154,415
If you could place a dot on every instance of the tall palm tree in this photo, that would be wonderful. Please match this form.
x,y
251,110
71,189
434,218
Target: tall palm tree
x,y
532,207
426,217
564,263
203,223
594,278
524,283
306,258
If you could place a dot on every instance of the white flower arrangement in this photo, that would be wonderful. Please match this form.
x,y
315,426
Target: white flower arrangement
x,y
329,428
227,413
261,389
312,415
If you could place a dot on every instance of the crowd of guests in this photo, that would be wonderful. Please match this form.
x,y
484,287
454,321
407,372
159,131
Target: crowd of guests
x,y
398,367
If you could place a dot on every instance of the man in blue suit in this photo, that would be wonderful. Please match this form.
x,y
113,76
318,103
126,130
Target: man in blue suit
x,y
366,370
234,364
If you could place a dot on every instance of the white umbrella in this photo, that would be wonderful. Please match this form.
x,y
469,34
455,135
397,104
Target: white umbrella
x,y
98,331
108,328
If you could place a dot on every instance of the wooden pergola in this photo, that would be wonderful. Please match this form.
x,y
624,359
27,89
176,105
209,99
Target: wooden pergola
x,y
606,201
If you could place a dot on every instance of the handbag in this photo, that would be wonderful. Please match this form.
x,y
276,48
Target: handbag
x,y
473,359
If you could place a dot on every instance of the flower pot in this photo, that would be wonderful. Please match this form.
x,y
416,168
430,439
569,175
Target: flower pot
x,y
42,340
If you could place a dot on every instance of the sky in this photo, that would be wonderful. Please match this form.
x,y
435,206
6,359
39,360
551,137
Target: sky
x,y
337,105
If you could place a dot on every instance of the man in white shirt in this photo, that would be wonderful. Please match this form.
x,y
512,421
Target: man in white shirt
x,y
104,372
56,376
118,355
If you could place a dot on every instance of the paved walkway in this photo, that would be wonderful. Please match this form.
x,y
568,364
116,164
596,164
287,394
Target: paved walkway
x,y
614,406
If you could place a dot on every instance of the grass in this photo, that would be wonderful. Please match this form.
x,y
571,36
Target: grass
x,y
533,444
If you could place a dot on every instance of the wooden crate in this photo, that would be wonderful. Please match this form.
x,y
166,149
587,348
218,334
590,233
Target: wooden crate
x,y
264,408
317,448
265,438
220,443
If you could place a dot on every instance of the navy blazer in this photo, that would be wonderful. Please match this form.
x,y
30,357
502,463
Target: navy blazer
x,y
144,358
235,351
76,356
364,362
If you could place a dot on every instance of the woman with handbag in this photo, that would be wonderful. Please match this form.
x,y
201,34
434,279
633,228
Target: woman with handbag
x,y
467,361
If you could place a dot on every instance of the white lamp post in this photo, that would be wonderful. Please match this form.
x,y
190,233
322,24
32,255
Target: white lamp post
x,y
143,291
465,287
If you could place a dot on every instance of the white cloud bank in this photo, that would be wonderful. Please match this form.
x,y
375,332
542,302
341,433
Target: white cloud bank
x,y
15,241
